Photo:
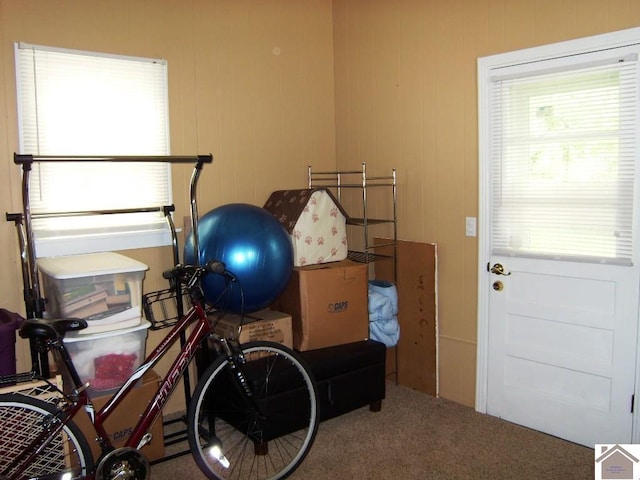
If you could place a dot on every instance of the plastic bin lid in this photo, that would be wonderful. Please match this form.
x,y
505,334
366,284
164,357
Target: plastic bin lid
x,y
76,337
73,266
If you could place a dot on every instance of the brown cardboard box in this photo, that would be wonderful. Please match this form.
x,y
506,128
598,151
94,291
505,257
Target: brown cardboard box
x,y
328,304
121,422
261,325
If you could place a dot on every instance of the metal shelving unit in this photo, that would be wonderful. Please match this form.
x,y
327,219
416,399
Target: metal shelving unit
x,y
339,181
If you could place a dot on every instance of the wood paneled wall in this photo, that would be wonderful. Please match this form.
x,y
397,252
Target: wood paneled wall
x,y
250,81
269,86
406,97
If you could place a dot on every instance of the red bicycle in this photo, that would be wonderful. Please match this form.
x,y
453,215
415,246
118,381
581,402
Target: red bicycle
x,y
235,421
253,413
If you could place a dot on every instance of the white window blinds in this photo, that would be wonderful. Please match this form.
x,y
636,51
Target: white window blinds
x,y
563,148
84,103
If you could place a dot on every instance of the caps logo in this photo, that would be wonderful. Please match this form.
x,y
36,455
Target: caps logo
x,y
338,307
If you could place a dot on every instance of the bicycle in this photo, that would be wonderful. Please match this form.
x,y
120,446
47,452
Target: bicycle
x,y
234,418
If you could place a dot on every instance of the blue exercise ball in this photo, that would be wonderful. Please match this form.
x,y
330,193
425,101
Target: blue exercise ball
x,y
256,250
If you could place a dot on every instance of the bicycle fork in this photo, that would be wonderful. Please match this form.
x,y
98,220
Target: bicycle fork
x,y
237,360
233,352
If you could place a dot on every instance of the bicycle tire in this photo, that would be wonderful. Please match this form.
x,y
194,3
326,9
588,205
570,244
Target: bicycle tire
x,y
22,419
263,446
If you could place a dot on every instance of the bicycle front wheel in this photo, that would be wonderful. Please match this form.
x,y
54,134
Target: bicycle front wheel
x,y
22,420
262,435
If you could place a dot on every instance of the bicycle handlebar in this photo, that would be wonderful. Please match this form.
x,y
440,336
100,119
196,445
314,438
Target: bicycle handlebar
x,y
187,273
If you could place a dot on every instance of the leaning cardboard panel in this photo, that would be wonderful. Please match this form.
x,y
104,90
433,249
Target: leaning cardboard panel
x,y
417,353
328,304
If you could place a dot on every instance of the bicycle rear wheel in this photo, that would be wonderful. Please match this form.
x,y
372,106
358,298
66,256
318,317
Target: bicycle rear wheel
x,y
22,419
234,437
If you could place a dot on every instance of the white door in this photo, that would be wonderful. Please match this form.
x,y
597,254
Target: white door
x,y
562,342
559,278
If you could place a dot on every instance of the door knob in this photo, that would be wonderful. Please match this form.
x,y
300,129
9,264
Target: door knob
x,y
498,269
498,286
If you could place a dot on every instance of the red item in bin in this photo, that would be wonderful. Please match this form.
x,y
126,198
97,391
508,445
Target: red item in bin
x,y
112,370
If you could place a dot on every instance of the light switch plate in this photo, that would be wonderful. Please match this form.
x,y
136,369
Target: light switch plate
x,y
470,226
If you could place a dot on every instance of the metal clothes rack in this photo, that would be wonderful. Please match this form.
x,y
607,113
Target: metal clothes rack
x,y
34,302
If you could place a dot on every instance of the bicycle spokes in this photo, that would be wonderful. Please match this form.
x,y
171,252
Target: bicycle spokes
x,y
262,436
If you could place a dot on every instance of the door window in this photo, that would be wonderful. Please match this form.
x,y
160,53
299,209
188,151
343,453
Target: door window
x,y
563,154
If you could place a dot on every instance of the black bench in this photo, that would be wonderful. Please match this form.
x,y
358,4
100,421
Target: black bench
x,y
349,376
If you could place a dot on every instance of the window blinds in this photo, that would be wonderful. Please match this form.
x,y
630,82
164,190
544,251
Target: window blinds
x,y
84,103
563,152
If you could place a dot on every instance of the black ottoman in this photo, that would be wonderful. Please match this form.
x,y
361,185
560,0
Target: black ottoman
x,y
349,376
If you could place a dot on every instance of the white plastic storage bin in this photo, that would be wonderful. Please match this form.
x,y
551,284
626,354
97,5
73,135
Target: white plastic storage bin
x,y
106,360
103,288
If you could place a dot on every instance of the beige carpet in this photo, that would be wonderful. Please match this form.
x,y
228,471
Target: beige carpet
x,y
417,436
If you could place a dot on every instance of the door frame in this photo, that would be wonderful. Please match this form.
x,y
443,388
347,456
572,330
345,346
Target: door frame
x,y
484,66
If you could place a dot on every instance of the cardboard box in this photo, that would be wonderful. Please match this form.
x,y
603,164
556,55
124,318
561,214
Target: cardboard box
x,y
262,325
121,422
328,304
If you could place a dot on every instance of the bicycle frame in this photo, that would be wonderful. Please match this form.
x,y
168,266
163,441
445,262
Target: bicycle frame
x,y
202,329
195,317
249,425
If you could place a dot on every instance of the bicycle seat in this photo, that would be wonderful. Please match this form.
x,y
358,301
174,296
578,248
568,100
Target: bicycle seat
x,y
50,329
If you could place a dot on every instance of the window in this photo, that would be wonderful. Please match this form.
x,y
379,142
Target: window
x,y
563,159
84,103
